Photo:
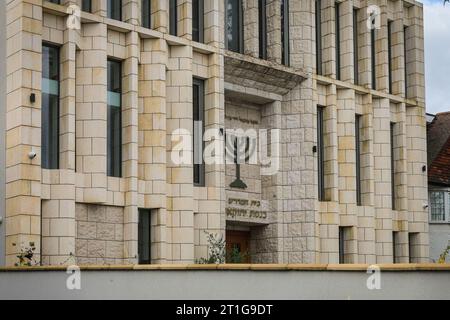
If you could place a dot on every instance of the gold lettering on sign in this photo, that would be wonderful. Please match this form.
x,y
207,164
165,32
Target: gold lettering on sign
x,y
252,212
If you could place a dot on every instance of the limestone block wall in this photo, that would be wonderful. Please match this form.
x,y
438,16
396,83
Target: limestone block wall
x,y
49,207
99,234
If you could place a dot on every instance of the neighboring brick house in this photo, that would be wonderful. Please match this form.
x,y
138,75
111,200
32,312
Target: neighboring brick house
x,y
438,139
92,111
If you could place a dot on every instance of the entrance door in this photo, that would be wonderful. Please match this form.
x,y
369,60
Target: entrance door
x,y
238,246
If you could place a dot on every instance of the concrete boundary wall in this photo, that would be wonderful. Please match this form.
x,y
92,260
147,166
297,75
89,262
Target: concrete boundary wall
x,y
405,281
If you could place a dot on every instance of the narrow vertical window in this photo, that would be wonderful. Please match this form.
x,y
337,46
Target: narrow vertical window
x,y
320,152
389,27
86,5
115,9
338,39
146,13
234,26
355,47
319,37
392,164
372,59
173,17
50,107
358,158
341,244
405,59
199,128
285,54
198,20
144,237
394,246
114,134
262,18
412,243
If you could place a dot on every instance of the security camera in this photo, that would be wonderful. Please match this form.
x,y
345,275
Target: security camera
x,y
32,155
425,205
1,220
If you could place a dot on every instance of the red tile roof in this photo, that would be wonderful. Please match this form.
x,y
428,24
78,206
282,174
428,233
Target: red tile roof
x,y
438,140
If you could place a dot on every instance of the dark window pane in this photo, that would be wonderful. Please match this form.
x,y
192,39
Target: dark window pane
x,y
234,25
50,107
86,5
393,164
285,54
406,59
338,40
318,37
355,46
341,245
320,153
54,1
390,54
146,13
144,237
115,9
173,19
358,158
262,29
198,125
114,130
197,20
373,58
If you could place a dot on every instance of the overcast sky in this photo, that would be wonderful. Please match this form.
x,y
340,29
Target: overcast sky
x,y
437,55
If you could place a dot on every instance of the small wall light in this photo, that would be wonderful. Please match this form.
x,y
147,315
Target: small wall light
x,y
424,168
33,98
314,149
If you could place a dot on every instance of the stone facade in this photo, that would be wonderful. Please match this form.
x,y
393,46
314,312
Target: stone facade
x,y
78,211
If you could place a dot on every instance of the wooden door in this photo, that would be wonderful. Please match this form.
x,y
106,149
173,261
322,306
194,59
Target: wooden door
x,y
238,246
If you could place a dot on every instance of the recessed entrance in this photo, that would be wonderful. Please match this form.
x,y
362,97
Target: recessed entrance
x,y
238,246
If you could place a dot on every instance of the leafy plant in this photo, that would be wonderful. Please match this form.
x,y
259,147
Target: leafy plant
x,y
443,255
236,256
216,249
26,255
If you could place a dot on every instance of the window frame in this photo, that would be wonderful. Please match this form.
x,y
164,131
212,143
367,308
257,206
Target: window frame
x,y
355,47
392,154
148,213
389,38
320,153
446,194
87,3
373,63
405,60
262,28
146,23
318,22
358,128
337,39
53,163
109,2
173,17
200,168
110,169
285,33
200,35
240,33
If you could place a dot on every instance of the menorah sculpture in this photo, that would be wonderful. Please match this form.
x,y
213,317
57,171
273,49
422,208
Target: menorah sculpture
x,y
238,150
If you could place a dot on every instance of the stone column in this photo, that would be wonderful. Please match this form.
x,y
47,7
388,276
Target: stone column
x,y
251,30
160,15
152,138
130,145
274,30
23,129
180,234
184,9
